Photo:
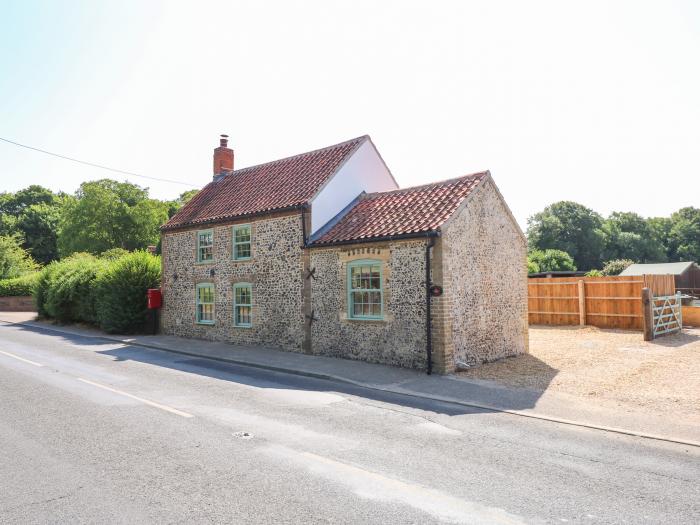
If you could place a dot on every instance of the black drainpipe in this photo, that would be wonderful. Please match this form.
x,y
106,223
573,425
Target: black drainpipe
x,y
428,324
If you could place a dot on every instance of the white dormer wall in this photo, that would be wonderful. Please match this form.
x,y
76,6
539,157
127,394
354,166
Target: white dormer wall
x,y
363,171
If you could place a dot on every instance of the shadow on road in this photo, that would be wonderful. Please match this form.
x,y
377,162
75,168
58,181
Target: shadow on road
x,y
469,391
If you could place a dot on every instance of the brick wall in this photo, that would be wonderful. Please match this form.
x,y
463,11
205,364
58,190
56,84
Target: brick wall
x,y
17,304
483,313
398,339
274,270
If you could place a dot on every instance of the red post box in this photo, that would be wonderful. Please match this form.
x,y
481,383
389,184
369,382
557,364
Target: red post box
x,y
154,298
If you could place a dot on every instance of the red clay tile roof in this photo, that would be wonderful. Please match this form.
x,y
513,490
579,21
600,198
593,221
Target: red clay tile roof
x,y
400,212
276,185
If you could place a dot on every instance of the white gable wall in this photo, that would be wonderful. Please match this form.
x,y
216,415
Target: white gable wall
x,y
363,171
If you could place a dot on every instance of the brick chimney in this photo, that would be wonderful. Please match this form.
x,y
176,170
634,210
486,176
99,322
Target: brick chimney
x,y
223,158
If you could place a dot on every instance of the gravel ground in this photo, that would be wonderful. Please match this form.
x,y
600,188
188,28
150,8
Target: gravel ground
x,y
608,368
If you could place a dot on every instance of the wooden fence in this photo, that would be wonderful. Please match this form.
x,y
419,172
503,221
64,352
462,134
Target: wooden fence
x,y
606,302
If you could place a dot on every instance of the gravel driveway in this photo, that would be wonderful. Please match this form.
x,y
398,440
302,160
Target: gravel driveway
x,y
608,368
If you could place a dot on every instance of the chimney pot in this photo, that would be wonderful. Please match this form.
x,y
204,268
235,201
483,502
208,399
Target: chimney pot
x,y
223,141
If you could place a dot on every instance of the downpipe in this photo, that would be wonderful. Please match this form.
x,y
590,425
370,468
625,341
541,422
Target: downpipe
x,y
428,321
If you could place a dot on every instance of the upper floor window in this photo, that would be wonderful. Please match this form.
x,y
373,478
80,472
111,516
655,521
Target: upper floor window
x,y
205,303
365,290
243,304
205,245
241,242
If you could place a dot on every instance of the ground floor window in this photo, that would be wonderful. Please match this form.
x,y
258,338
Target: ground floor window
x,y
243,304
365,290
205,303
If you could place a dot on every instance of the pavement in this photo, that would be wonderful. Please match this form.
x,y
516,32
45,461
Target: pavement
x,y
556,407
101,431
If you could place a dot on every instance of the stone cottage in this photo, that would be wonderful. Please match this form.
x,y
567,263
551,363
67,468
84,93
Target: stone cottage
x,y
322,253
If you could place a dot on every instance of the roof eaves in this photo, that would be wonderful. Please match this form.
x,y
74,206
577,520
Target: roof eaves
x,y
383,238
227,218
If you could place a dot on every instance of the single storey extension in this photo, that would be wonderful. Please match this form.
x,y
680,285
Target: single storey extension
x,y
323,253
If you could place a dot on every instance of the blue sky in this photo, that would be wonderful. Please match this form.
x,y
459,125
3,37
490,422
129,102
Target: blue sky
x,y
595,102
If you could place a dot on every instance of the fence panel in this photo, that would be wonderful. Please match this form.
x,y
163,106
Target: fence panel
x,y
606,302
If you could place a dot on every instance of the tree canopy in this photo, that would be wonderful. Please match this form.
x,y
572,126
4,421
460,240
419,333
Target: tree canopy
x,y
34,214
108,214
15,261
569,227
621,238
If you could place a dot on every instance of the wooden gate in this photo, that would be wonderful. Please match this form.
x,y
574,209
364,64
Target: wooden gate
x,y
667,314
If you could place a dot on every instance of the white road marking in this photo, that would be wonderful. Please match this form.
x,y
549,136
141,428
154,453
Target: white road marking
x,y
375,486
142,400
8,354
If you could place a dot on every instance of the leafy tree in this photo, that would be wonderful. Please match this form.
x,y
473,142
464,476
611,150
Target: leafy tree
x,y
109,214
551,260
628,235
684,235
570,227
184,198
616,266
15,261
39,224
34,213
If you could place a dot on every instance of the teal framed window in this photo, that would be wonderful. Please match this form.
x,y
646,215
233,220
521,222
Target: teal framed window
x,y
243,305
365,290
204,299
205,245
241,242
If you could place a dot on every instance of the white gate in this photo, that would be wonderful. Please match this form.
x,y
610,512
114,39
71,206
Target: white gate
x,y
667,314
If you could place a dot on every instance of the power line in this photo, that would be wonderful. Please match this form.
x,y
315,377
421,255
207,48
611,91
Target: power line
x,y
97,165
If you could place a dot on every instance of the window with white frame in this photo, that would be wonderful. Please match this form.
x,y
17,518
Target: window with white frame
x,y
205,246
241,242
243,304
205,303
365,290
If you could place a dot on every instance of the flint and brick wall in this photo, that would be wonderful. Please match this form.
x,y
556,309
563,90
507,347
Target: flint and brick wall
x,y
479,260
482,315
275,271
400,338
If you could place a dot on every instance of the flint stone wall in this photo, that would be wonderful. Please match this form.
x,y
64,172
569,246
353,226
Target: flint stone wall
x,y
400,338
485,276
275,272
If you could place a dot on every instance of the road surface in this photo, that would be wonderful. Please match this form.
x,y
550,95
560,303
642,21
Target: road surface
x,y
100,432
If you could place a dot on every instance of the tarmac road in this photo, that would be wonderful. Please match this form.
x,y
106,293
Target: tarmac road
x,y
98,432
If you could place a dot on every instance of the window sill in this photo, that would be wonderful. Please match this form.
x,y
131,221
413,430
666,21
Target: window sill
x,y
205,323
364,319
245,326
203,263
241,259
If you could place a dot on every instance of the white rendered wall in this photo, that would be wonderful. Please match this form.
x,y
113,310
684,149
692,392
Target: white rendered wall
x,y
364,171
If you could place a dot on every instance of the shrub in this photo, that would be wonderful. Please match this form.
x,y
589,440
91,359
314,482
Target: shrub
x,y
66,291
122,292
18,286
113,254
15,261
551,260
532,266
594,273
616,266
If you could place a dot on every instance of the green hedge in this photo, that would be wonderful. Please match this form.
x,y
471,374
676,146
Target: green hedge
x,y
103,292
19,286
122,292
